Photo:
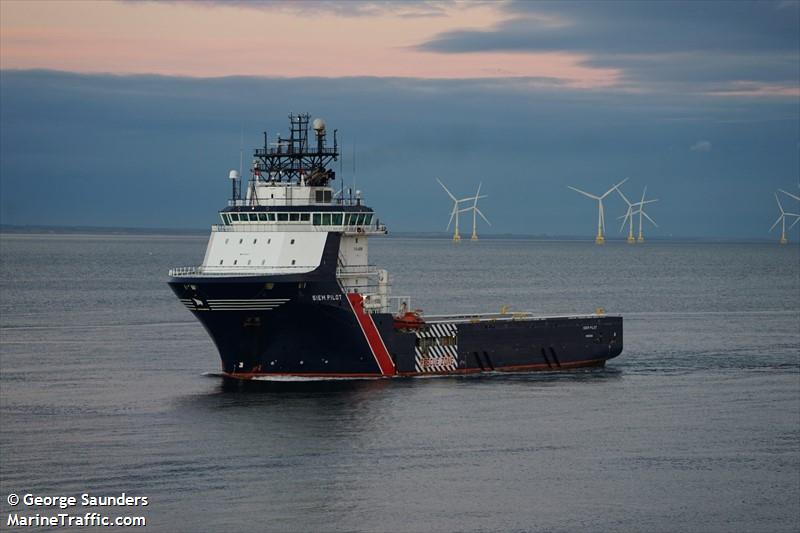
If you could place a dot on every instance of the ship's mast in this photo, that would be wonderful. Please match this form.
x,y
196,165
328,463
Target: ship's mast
x,y
291,160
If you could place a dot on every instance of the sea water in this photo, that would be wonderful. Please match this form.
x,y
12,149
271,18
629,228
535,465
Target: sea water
x,y
107,386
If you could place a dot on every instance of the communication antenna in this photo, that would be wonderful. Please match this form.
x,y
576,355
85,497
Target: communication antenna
x,y
241,148
354,165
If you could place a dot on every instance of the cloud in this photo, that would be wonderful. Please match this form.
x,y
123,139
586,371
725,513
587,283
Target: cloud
x,y
679,42
701,146
361,8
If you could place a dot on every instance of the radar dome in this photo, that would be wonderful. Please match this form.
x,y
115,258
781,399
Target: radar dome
x,y
319,124
233,174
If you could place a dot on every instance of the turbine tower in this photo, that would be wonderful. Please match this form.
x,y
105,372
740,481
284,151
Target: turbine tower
x,y
782,218
601,223
457,210
628,216
640,211
475,213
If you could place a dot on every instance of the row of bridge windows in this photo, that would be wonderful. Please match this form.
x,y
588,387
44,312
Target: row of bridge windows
x,y
317,219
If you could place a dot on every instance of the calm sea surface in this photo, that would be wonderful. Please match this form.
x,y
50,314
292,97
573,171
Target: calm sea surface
x,y
695,427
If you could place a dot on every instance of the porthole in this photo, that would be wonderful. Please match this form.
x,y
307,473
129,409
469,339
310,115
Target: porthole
x,y
292,242
294,261
235,261
269,241
220,261
241,241
255,241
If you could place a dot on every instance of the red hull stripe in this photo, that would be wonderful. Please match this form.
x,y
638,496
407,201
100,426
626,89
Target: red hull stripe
x,y
374,339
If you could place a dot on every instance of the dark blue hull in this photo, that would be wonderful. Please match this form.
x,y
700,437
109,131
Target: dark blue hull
x,y
305,325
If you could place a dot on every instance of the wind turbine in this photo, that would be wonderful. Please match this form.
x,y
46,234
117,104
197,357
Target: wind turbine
x,y
475,212
628,216
782,219
641,212
456,210
601,223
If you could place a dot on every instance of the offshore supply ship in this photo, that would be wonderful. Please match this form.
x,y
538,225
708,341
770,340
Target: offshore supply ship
x,y
286,289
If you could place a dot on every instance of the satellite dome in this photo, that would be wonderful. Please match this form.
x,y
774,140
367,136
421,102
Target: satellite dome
x,y
233,174
319,124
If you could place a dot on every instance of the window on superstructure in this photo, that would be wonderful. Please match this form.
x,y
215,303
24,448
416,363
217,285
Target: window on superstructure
x,y
294,217
360,220
253,217
304,217
262,217
318,197
235,261
235,217
326,219
317,219
336,219
367,220
271,217
350,219
328,196
283,217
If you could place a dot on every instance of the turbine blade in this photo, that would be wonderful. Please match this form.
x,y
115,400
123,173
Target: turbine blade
x,y
644,191
592,196
624,197
779,203
776,223
650,219
478,194
446,190
625,217
615,187
452,214
796,220
790,194
482,216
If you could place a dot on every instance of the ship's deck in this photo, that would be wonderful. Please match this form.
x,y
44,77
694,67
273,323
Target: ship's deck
x,y
512,316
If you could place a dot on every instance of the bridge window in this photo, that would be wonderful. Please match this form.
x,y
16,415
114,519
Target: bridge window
x,y
336,219
283,217
326,219
294,217
271,217
360,220
262,217
304,217
317,219
235,217
368,219
253,217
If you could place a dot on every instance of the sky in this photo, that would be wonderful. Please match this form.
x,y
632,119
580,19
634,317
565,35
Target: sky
x,y
129,113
